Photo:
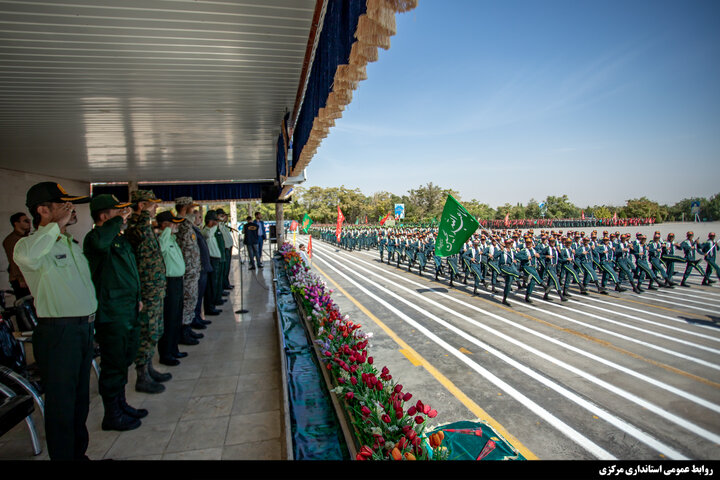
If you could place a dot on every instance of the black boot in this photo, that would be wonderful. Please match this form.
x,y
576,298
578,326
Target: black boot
x,y
669,283
186,338
195,334
505,302
620,289
583,289
527,298
115,418
157,376
133,412
200,320
600,288
683,284
650,285
197,325
565,293
145,383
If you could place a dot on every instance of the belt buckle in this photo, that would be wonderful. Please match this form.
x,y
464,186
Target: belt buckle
x,y
91,318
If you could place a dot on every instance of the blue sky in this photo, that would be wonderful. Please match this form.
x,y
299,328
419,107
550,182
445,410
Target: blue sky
x,y
509,100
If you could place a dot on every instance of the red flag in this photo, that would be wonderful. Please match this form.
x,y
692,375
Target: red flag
x,y
340,220
309,249
615,216
385,218
582,215
365,218
507,219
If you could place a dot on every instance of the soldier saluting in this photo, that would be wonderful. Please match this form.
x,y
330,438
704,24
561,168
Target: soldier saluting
x,y
58,275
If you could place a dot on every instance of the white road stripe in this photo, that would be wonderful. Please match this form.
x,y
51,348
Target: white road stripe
x,y
596,410
662,294
657,383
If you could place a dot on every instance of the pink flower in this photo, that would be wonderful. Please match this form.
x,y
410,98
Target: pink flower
x,y
426,409
432,413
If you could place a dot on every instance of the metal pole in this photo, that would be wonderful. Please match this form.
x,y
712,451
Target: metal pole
x,y
242,291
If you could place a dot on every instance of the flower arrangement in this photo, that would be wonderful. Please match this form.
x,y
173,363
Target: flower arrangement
x,y
387,425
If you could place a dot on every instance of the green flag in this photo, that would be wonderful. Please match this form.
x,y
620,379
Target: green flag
x,y
357,221
456,226
306,222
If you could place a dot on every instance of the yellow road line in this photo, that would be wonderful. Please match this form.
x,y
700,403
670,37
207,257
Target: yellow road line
x,y
444,381
696,315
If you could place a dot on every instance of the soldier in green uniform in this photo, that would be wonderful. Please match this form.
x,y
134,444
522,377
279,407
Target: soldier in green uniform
x,y
528,263
567,262
709,251
689,247
668,254
508,268
552,256
58,276
151,269
606,256
224,262
117,328
655,253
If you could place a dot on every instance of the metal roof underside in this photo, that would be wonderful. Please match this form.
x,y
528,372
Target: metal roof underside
x,y
148,90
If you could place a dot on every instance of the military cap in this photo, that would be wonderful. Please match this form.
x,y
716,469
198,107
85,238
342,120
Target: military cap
x,y
586,239
167,216
220,211
638,235
143,196
106,201
671,235
690,233
181,201
211,215
51,192
711,234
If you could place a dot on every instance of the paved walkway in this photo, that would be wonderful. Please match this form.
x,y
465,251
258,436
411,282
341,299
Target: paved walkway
x,y
224,401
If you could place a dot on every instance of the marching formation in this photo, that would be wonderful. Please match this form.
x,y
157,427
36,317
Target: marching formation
x,y
548,260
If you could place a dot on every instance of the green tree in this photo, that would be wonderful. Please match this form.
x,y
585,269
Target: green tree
x,y
560,207
643,207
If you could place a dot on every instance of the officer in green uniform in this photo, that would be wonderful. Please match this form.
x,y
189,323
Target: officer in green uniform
x,y
117,328
528,262
220,239
151,269
508,268
689,247
58,276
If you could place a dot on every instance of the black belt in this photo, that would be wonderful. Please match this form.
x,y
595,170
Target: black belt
x,y
66,320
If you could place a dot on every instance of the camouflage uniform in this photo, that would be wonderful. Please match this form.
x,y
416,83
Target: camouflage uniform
x,y
151,268
188,243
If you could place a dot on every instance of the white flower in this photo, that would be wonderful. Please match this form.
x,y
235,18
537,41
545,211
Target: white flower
x,y
393,428
337,390
376,431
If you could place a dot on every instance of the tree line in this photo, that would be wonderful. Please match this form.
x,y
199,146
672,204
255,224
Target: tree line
x,y
425,203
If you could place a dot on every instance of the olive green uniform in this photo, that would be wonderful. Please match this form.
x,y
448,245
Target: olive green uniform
x,y
117,285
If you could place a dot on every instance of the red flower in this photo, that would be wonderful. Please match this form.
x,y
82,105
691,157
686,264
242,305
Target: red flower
x,y
419,419
378,386
365,411
341,380
426,409
353,380
398,414
419,406
386,418
398,388
432,413
327,353
349,395
365,451
360,457
407,397
385,370
411,411
370,360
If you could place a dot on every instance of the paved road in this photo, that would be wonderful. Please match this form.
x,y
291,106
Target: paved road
x,y
619,376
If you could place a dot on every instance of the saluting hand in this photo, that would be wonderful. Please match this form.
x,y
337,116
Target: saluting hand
x,y
63,214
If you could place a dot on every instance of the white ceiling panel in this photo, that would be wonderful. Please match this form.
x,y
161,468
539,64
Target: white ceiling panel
x,y
148,90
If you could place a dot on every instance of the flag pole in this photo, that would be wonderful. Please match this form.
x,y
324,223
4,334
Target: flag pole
x,y
242,292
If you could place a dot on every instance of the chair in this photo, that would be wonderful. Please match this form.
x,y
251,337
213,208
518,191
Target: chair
x,y
17,405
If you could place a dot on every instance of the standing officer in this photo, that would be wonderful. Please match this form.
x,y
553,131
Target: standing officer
x,y
58,275
206,272
224,229
21,228
251,237
214,286
186,239
173,303
117,328
262,235
151,269
709,251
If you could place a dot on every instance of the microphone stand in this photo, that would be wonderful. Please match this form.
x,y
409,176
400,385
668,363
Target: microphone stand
x,y
242,291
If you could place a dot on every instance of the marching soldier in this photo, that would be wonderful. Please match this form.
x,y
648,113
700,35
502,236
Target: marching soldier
x,y
689,247
709,251
151,269
622,254
492,253
567,263
668,254
584,254
655,254
508,268
552,257
640,252
528,262
606,255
